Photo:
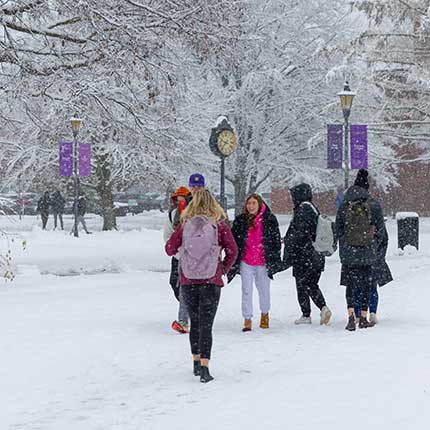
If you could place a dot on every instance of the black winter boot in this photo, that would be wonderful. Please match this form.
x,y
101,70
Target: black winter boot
x,y
351,323
205,376
196,367
364,323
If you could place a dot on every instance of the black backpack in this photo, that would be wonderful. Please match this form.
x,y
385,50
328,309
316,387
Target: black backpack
x,y
358,224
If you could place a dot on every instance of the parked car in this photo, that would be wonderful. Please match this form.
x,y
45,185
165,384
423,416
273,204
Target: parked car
x,y
120,209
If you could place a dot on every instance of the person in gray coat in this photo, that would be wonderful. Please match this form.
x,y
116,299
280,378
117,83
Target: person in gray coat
x,y
360,230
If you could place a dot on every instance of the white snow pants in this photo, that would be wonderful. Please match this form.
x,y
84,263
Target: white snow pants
x,y
262,282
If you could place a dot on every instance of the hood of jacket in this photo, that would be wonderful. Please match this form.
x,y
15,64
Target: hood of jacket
x,y
356,193
301,193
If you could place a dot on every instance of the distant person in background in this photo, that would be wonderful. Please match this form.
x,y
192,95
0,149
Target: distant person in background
x,y
339,197
82,209
181,324
57,204
43,207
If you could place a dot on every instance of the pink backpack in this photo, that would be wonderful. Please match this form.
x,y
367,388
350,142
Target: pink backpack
x,y
200,251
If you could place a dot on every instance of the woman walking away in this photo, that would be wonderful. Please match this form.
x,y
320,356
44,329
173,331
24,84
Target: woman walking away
x,y
360,229
299,252
381,275
201,237
181,324
257,235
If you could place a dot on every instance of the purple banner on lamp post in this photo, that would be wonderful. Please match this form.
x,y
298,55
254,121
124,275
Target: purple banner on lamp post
x,y
84,159
66,158
334,146
358,138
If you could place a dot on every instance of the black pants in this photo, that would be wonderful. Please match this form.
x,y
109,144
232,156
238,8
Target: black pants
x,y
202,304
174,277
60,216
307,288
358,278
44,217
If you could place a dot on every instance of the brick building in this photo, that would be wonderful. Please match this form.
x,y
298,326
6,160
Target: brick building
x,y
411,195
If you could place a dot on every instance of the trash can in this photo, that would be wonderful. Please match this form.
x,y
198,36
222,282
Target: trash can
x,y
407,229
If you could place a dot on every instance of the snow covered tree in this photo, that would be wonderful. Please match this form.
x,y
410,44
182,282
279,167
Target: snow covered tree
x,y
271,82
114,64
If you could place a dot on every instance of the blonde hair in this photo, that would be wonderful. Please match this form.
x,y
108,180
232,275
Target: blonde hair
x,y
203,203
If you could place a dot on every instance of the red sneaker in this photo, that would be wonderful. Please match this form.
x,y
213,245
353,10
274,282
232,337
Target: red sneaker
x,y
180,328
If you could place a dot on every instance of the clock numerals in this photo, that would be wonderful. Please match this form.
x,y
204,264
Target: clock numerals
x,y
226,142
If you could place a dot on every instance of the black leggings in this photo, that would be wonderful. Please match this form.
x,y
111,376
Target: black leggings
x,y
358,278
174,277
307,288
202,304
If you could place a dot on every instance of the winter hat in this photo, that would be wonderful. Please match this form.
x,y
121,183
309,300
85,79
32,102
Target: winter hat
x,y
196,180
181,191
362,179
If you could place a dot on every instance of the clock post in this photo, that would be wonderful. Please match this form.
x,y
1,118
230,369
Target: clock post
x,y
222,142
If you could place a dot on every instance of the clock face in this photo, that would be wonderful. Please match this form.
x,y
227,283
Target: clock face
x,y
227,142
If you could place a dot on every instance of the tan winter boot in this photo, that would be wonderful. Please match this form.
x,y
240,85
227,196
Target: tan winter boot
x,y
372,318
325,315
264,321
247,325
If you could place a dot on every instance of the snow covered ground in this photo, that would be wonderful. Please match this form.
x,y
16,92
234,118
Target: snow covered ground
x,y
86,343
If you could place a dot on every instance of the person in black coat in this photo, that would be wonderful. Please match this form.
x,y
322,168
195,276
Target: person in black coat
x,y
43,207
57,204
299,253
359,262
256,232
381,274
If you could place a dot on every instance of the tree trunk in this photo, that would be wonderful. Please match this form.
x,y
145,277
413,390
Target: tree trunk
x,y
104,190
242,173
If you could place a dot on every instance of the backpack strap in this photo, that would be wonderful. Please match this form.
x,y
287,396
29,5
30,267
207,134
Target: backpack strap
x,y
312,206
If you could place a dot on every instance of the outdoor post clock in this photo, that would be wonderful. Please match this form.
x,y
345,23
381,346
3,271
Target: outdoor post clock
x,y
222,141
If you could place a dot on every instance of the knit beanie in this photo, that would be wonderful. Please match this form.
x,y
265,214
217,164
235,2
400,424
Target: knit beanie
x,y
181,191
362,179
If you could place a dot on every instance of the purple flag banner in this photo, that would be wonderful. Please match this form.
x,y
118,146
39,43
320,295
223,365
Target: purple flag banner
x,y
334,146
358,138
66,158
84,159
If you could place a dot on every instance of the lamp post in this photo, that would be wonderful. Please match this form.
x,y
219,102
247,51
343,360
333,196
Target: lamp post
x,y
76,125
346,97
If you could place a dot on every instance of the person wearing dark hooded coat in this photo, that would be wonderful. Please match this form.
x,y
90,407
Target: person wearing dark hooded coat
x,y
256,232
359,259
299,253
381,274
43,207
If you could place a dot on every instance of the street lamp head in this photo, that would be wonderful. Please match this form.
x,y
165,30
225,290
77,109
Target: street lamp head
x,y
346,96
76,124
